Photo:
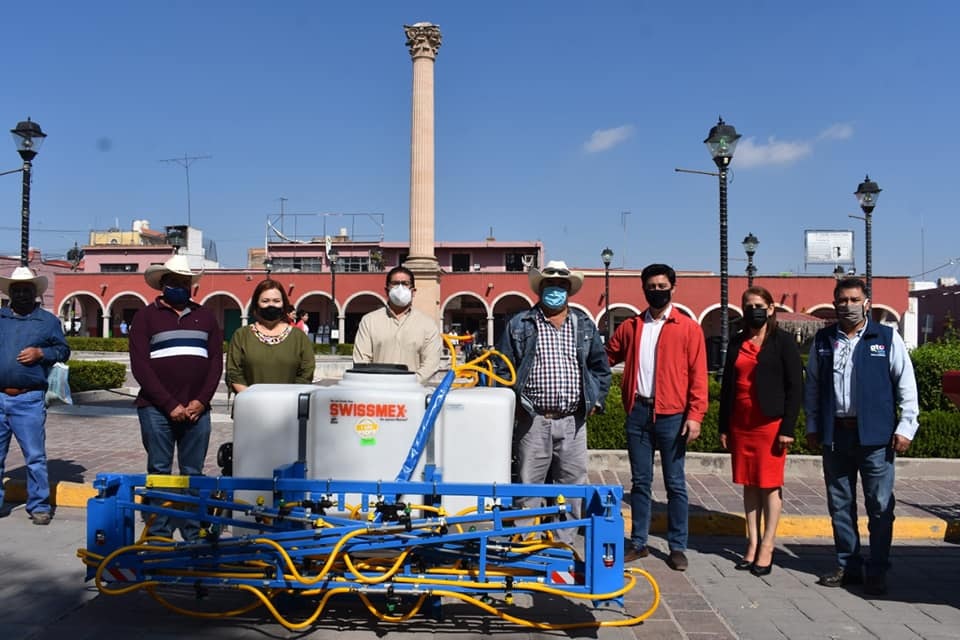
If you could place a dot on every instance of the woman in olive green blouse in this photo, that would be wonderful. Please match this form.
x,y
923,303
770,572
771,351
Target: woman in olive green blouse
x,y
269,349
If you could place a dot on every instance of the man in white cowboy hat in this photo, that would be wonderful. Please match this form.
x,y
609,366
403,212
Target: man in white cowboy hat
x,y
176,354
562,377
31,341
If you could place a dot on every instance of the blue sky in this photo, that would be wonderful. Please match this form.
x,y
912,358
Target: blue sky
x,y
552,118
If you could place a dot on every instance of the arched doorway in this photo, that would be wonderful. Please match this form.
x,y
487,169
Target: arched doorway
x,y
81,314
122,311
357,306
503,308
228,311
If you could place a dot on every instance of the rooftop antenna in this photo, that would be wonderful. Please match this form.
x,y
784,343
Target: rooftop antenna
x,y
185,162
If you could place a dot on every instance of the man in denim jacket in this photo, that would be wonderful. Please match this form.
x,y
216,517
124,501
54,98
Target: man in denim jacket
x,y
562,377
31,341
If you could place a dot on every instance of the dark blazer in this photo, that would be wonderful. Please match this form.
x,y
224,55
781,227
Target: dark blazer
x,y
778,380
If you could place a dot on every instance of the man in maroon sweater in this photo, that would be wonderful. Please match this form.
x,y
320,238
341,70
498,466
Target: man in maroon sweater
x,y
176,354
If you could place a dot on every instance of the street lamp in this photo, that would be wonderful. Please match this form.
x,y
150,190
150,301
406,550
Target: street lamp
x,y
721,142
332,257
268,265
28,137
607,256
867,193
750,247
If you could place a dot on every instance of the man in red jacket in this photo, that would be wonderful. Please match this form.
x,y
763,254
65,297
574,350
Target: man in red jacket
x,y
665,397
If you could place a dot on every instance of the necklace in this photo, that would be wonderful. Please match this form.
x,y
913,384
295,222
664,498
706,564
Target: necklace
x,y
269,339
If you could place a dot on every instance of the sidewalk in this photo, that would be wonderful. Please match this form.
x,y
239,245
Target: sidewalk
x,y
101,434
46,597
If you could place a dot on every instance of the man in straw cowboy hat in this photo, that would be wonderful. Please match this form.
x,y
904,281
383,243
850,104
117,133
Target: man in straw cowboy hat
x,y
176,354
31,341
562,377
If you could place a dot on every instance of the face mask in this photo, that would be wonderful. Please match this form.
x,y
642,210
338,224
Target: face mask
x,y
657,298
270,314
554,297
850,315
176,297
756,318
22,300
400,296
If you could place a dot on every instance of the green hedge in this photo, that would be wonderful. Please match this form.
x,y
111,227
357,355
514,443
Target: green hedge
x,y
122,345
78,343
87,375
929,362
938,437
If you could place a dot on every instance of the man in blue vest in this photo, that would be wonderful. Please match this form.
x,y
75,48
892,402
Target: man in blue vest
x,y
858,375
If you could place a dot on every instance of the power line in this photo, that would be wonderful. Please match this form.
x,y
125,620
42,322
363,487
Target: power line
x,y
185,162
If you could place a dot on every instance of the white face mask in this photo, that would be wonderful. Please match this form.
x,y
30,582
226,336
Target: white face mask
x,y
400,296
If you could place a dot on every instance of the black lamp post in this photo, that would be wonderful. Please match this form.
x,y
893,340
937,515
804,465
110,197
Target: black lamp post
x,y
721,142
332,257
607,256
867,193
268,265
28,137
750,248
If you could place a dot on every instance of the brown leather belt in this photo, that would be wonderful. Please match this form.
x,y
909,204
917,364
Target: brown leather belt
x,y
645,401
849,422
14,391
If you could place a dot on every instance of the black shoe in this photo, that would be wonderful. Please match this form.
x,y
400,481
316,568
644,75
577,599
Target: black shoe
x,y
875,585
841,577
759,571
743,565
635,553
677,561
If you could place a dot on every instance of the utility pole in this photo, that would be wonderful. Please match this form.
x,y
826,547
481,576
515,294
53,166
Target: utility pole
x,y
185,162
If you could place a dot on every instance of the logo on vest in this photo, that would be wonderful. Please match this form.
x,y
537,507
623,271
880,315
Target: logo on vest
x,y
878,350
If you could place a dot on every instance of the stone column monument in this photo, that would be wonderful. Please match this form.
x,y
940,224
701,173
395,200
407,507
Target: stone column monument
x,y
423,39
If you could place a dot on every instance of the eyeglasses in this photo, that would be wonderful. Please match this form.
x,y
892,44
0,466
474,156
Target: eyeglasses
x,y
401,283
551,271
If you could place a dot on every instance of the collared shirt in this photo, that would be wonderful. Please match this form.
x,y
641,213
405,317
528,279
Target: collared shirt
x,y
650,335
39,328
411,339
844,382
554,382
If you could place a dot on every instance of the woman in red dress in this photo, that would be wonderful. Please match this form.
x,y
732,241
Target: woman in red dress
x,y
759,404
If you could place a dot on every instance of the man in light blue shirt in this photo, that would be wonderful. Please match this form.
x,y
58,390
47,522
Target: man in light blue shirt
x,y
858,376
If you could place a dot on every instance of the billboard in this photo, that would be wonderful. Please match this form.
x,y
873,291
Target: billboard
x,y
828,247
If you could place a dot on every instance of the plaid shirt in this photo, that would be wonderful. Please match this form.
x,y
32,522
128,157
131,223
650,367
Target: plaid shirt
x,y
554,382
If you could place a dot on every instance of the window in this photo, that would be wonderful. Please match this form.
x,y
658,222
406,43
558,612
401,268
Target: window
x,y
513,261
297,264
353,264
129,267
460,262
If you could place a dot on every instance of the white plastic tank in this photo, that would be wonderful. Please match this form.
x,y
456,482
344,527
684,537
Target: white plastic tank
x,y
474,439
265,432
363,426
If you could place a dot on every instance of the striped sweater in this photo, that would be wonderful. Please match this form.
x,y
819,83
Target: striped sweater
x,y
175,358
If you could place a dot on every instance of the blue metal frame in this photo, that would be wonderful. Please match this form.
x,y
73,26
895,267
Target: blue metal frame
x,y
485,541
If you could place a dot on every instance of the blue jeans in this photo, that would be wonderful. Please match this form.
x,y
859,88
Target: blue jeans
x,y
160,435
23,417
876,468
644,436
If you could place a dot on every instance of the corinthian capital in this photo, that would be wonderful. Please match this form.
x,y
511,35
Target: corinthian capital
x,y
423,39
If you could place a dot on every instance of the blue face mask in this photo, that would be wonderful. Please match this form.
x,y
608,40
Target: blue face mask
x,y
553,297
176,296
